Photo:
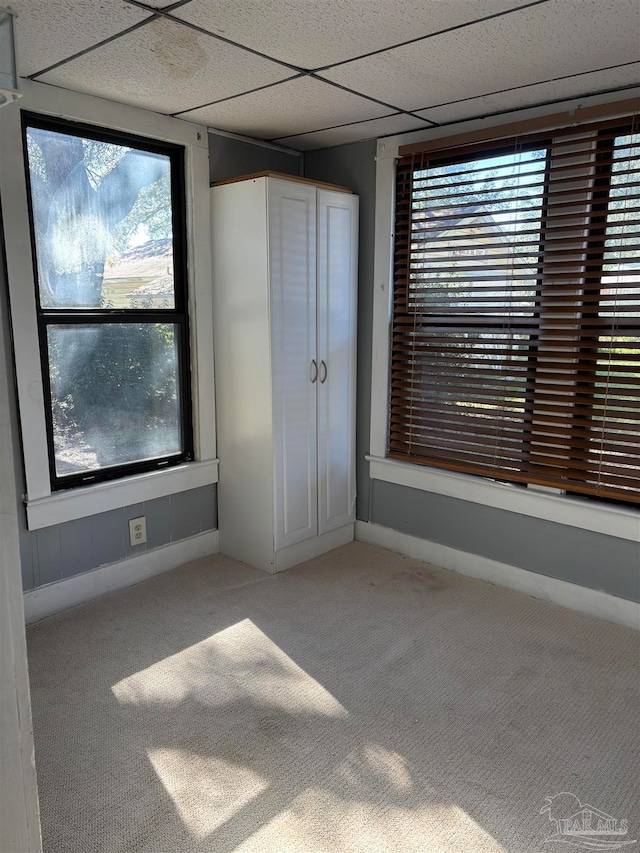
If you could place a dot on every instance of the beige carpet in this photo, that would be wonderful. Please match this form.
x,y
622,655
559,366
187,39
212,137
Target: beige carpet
x,y
360,702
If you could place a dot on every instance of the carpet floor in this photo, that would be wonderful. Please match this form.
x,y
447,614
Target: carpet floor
x,y
361,702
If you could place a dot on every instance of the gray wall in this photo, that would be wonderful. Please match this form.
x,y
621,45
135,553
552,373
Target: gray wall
x,y
64,550
580,556
230,158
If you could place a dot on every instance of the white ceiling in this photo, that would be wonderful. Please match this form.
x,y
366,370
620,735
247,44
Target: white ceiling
x,y
314,73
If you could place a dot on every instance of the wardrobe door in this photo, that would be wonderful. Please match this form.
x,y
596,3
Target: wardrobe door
x,y
292,261
337,301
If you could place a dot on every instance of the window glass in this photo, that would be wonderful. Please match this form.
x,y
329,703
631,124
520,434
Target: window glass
x,y
621,270
476,233
114,394
103,223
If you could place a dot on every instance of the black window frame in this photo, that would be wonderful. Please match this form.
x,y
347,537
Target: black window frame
x,y
178,315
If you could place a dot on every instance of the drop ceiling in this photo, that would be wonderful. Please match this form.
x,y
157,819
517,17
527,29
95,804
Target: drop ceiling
x,y
313,73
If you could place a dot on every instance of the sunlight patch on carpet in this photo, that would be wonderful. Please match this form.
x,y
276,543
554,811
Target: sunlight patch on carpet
x,y
239,663
324,822
206,791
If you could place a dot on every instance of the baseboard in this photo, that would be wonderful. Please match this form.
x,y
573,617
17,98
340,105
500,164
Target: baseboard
x,y
592,602
313,547
55,597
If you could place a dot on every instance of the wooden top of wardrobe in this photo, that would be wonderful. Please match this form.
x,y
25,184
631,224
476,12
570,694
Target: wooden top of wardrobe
x,y
284,177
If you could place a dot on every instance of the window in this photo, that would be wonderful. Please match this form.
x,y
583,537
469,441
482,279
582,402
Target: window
x,y
515,349
108,224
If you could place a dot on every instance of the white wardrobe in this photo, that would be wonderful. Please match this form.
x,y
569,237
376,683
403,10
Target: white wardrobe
x,y
284,280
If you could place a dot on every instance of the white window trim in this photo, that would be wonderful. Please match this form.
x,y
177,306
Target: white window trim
x,y
45,508
606,518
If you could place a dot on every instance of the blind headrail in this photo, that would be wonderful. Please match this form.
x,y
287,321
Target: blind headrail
x,y
554,121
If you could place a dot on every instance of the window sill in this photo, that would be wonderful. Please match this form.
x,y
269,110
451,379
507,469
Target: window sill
x,y
621,522
102,497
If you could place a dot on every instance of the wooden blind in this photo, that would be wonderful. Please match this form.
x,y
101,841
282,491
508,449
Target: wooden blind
x,y
516,310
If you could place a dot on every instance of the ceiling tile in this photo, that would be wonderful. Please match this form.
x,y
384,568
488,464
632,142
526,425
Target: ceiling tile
x,y
288,109
48,31
167,67
320,32
571,87
353,132
554,39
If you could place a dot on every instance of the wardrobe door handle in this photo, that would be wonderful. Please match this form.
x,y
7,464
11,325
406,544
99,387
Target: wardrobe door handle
x,y
323,376
314,370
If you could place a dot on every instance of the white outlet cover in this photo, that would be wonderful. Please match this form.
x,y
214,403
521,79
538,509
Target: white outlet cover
x,y
138,530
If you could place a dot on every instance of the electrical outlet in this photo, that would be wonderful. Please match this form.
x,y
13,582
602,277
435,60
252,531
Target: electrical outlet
x,y
138,530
